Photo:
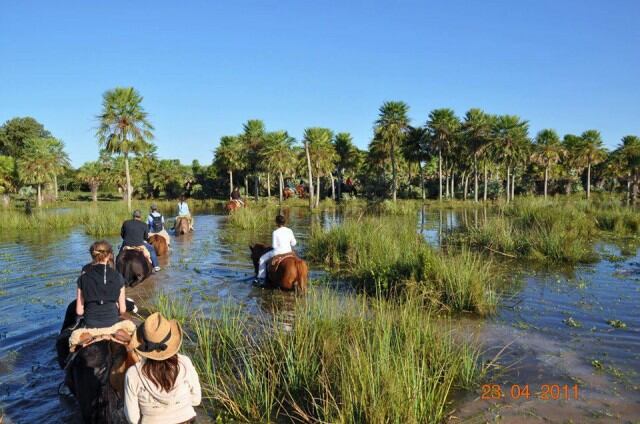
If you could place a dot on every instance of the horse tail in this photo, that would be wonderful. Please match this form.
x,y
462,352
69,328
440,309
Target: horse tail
x,y
301,278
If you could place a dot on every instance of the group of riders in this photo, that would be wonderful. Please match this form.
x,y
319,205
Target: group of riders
x,y
159,385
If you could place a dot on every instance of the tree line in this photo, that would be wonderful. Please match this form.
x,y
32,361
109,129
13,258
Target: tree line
x,y
478,156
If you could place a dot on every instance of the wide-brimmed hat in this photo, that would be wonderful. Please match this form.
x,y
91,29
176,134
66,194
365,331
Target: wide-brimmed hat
x,y
157,338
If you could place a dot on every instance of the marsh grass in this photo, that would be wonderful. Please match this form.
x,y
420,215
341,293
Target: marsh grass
x,y
387,256
345,360
256,217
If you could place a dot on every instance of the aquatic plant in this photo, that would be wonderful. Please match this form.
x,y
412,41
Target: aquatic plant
x,y
348,360
388,256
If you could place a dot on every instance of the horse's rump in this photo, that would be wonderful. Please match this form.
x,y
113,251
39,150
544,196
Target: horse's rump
x,y
133,265
159,243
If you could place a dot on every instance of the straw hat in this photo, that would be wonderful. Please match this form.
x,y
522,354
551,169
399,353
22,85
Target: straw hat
x,y
157,338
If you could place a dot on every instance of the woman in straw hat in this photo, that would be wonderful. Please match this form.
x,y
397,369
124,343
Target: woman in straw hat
x,y
163,387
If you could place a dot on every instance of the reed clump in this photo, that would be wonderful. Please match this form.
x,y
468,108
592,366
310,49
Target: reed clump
x,y
347,360
387,256
255,217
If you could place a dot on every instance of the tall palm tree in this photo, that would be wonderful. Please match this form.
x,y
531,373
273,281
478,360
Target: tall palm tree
x,y
628,153
36,164
61,162
443,126
392,125
547,152
93,174
322,154
511,139
590,152
230,156
252,137
348,156
278,153
476,133
124,127
415,149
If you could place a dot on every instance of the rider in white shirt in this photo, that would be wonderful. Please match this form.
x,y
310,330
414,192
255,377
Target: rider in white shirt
x,y
282,241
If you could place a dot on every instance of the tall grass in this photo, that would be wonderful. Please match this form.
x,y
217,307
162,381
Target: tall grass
x,y
255,217
345,360
387,256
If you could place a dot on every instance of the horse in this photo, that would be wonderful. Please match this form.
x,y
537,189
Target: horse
x,y
159,243
233,205
301,191
133,265
349,189
182,225
95,374
288,192
290,274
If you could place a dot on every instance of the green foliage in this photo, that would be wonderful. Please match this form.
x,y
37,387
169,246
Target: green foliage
x,y
16,132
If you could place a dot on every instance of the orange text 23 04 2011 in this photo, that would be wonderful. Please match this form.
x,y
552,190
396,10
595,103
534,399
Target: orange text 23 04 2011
x,y
526,391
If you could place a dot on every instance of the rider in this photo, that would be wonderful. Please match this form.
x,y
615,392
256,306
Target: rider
x,y
135,233
282,241
183,211
236,197
100,294
155,221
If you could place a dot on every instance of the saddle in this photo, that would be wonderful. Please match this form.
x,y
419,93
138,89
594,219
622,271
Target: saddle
x,y
277,260
142,249
121,333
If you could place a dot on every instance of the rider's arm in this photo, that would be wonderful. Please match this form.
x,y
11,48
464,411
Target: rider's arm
x,y
122,231
293,240
146,233
122,302
131,407
79,302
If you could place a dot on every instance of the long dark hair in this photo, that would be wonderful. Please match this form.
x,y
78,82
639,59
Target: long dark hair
x,y
162,373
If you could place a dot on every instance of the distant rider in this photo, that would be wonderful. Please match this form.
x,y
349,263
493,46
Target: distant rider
x,y
282,242
135,233
155,221
183,211
236,197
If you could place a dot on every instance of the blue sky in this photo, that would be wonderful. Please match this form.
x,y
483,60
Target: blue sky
x,y
205,67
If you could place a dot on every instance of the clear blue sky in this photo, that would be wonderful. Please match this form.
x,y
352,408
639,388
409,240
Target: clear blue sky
x,y
205,67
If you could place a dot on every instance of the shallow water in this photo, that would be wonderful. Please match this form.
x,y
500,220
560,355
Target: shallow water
x,y
211,266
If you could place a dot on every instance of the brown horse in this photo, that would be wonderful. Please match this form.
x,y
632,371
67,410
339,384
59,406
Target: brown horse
x,y
159,243
233,205
182,225
290,274
300,191
133,265
288,192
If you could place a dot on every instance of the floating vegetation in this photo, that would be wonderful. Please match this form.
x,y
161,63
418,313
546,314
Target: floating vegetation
x,y
597,364
571,322
616,323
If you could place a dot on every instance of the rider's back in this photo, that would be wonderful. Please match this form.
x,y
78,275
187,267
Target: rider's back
x,y
134,232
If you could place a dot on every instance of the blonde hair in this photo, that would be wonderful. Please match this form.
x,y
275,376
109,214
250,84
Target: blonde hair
x,y
100,251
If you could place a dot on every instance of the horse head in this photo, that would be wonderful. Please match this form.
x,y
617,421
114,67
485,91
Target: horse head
x,y
258,250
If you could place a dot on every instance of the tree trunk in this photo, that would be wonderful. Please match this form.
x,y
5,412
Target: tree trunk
x,y
94,192
230,182
508,180
246,186
440,174
55,186
475,177
333,186
513,185
394,183
318,189
453,185
39,200
128,175
268,185
589,180
339,189
257,191
306,150
280,184
424,195
465,178
546,178
486,182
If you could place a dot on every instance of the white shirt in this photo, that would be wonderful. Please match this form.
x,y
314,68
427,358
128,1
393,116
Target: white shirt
x,y
282,241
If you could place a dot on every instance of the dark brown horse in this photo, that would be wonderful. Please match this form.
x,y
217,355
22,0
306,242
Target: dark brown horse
x,y
159,243
95,375
288,192
290,274
133,265
182,225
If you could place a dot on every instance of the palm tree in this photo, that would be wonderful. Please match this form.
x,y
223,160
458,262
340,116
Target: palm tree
x,y
443,126
230,156
61,162
416,150
511,139
37,164
322,155
124,126
392,125
7,180
252,138
348,157
547,152
476,133
93,174
628,154
279,155
590,152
